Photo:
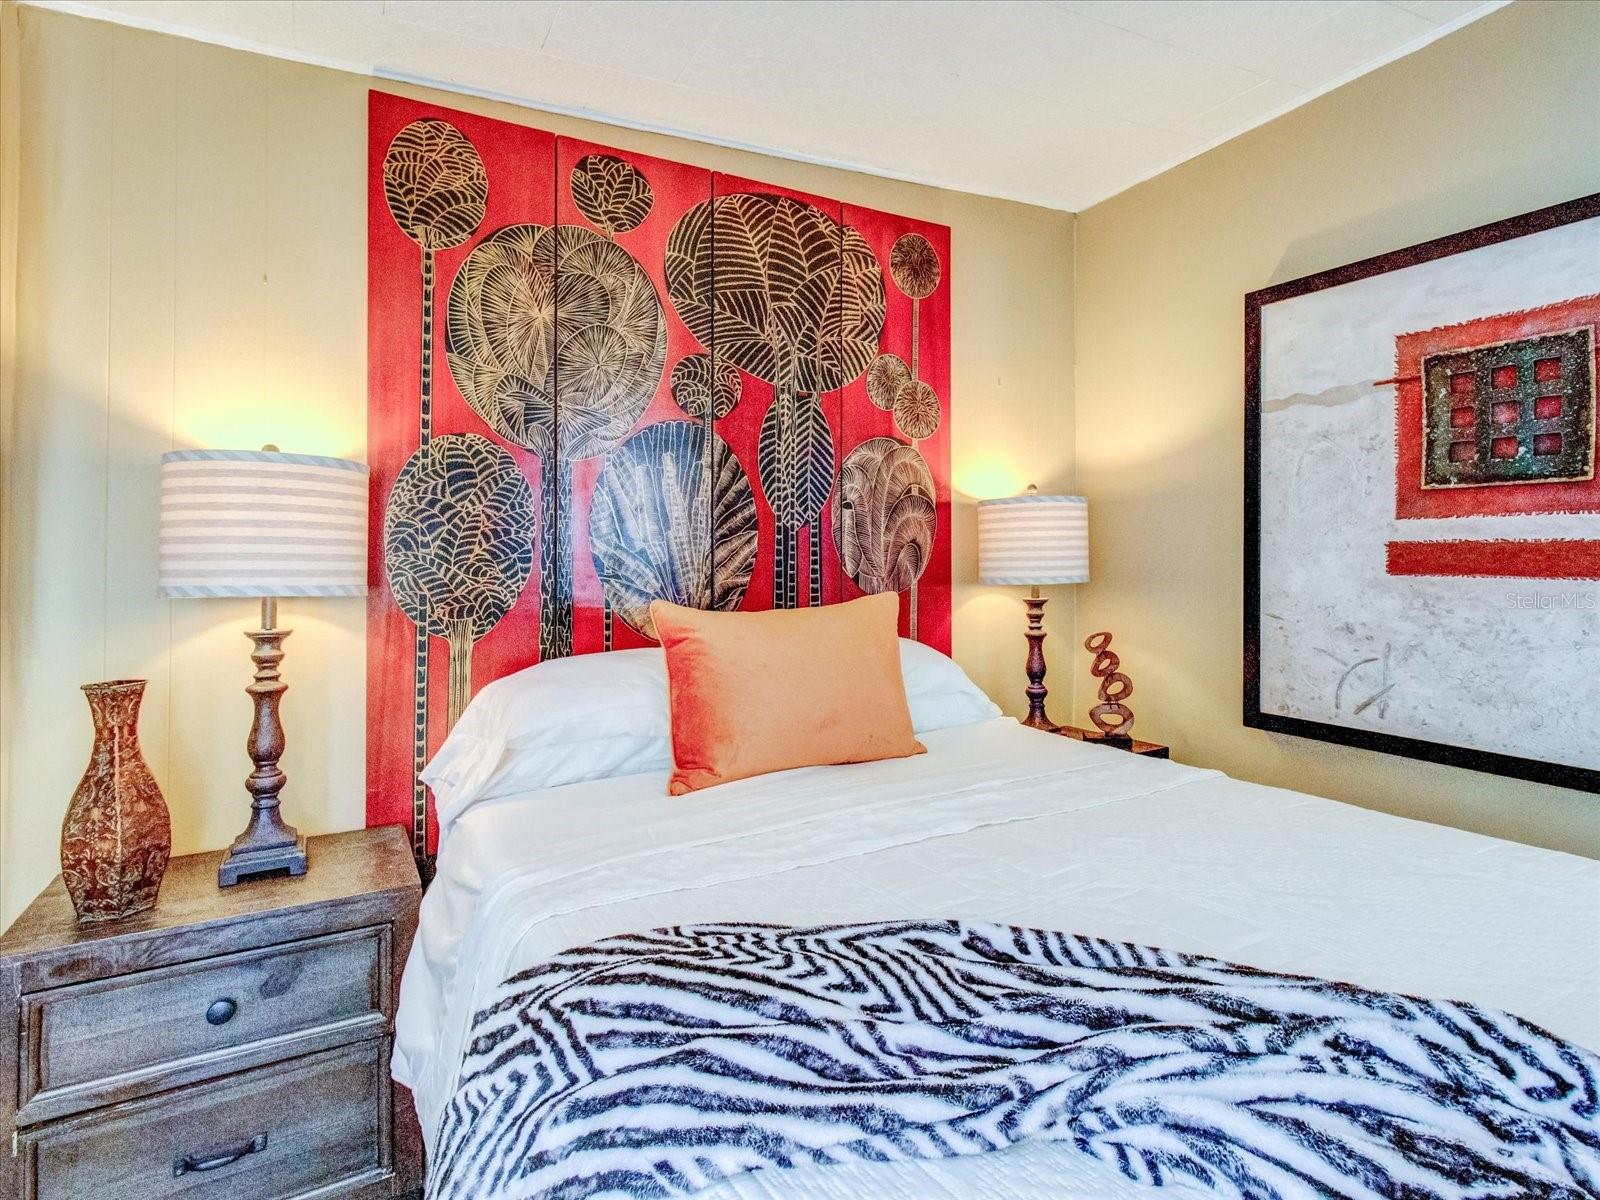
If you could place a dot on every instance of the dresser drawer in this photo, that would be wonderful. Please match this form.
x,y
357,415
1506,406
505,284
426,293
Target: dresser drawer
x,y
269,1134
92,1043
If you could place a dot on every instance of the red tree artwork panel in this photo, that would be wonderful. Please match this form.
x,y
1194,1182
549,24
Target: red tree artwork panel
x,y
777,279
596,379
623,551
892,519
441,613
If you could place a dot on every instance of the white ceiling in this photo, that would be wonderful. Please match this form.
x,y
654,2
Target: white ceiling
x,y
1061,103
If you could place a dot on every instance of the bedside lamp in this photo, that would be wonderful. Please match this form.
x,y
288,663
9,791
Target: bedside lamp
x,y
265,524
1033,540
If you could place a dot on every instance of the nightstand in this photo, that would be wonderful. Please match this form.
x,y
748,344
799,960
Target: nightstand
x,y
1148,749
230,1043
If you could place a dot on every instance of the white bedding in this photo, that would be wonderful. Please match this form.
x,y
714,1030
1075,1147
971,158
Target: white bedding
x,y
997,822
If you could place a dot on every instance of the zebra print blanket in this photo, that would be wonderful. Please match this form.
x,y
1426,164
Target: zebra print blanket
x,y
657,1064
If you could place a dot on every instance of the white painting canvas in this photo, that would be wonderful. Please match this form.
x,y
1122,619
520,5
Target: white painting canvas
x,y
1429,512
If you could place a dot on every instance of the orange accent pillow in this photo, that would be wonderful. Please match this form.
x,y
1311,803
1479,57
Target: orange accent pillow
x,y
753,692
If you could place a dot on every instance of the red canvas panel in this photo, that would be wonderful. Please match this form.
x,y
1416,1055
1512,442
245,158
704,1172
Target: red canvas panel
x,y
634,200
518,164
590,432
741,429
916,332
1414,500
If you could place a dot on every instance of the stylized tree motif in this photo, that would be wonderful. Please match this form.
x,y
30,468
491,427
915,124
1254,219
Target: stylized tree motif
x,y
797,300
855,320
458,545
500,334
611,342
916,411
436,188
647,528
885,519
885,377
614,195
707,390
702,389
914,265
557,339
794,458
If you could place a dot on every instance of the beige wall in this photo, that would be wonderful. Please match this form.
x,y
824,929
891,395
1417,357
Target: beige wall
x,y
1494,120
191,271
10,179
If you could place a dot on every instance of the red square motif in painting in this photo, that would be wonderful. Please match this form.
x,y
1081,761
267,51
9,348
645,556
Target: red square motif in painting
x,y
1496,417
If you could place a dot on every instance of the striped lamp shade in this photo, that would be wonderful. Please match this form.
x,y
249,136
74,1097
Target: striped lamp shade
x,y
262,523
1033,539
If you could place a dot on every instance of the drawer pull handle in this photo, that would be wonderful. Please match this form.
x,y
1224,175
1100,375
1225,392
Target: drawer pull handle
x,y
221,1011
213,1162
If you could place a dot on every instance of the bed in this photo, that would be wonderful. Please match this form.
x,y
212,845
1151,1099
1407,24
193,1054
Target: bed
x,y
998,823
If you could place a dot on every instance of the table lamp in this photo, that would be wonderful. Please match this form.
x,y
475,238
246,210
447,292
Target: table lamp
x,y
265,524
1034,540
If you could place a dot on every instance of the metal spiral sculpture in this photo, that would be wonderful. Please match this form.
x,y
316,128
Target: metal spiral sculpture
x,y
1112,717
556,339
646,525
793,298
436,189
457,545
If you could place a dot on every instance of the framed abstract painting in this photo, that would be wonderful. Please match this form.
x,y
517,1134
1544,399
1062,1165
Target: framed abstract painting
x,y
1422,510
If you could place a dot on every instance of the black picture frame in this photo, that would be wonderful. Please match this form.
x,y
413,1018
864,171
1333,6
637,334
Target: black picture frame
x,y
1538,771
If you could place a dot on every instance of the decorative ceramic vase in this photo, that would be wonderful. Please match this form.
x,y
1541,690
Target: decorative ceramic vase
x,y
116,837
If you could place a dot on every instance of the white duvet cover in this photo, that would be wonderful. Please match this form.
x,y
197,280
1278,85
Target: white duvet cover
x,y
1000,823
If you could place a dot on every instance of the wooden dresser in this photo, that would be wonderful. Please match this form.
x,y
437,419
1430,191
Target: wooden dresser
x,y
230,1043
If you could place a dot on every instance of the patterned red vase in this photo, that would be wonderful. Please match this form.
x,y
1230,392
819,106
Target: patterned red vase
x,y
116,837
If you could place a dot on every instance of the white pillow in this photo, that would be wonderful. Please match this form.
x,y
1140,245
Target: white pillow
x,y
938,691
590,716
593,716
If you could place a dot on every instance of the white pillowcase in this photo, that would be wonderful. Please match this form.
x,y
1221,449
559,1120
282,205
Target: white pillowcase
x,y
593,716
590,716
938,690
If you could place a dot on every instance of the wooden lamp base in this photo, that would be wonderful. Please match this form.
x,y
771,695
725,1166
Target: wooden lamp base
x,y
1036,691
268,845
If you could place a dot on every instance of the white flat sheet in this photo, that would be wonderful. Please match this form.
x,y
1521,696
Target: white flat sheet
x,y
1000,823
